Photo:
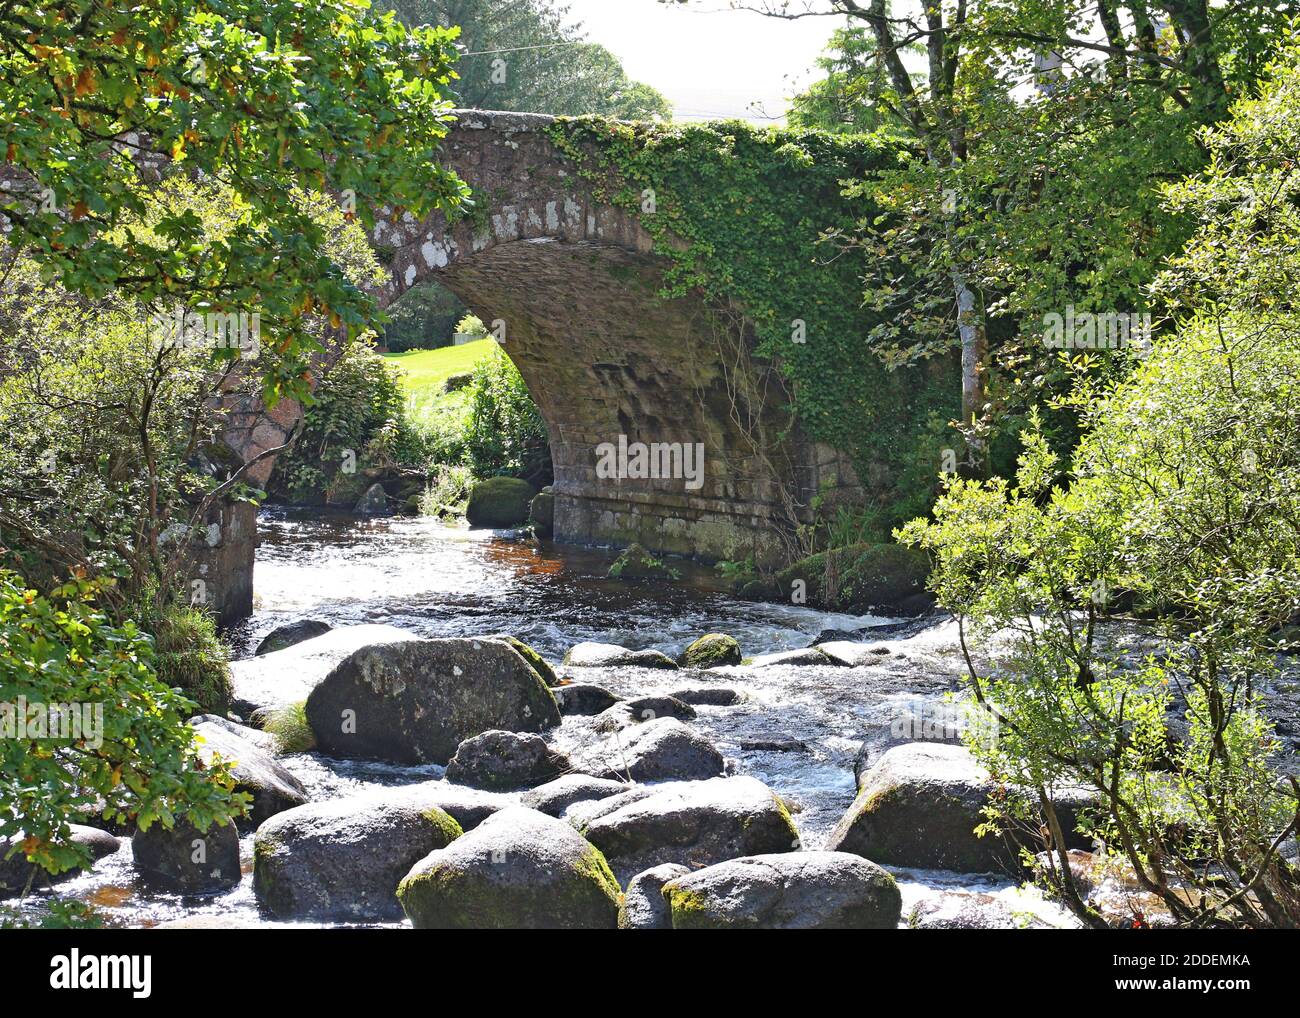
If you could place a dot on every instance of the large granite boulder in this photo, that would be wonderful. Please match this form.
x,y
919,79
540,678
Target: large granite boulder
x,y
789,891
284,677
256,771
693,823
417,701
919,806
186,860
505,760
655,751
342,860
519,869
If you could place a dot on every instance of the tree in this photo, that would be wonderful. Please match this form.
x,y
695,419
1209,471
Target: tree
x,y
990,224
267,97
1180,515
523,55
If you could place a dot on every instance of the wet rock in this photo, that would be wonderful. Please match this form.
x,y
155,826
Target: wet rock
x,y
644,907
964,910
790,891
417,701
291,633
342,860
641,710
635,563
519,869
609,655
505,760
694,823
273,788
555,797
657,750
541,514
499,502
773,746
718,696
535,659
806,657
919,806
288,676
583,698
15,870
260,739
373,503
712,650
854,654
186,860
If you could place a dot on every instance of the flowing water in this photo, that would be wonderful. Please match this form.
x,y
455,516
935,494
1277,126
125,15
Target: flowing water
x,y
798,729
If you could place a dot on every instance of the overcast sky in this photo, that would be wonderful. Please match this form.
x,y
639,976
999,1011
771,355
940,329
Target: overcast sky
x,y
710,62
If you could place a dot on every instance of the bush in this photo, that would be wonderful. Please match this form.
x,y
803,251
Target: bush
x,y
506,433
448,493
356,421
422,318
123,751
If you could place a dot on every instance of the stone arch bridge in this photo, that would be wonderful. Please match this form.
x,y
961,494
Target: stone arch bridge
x,y
574,283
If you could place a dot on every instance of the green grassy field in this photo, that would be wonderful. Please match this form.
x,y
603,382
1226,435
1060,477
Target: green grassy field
x,y
424,371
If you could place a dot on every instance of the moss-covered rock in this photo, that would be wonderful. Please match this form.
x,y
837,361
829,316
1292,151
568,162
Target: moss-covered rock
x,y
711,650
786,891
541,514
535,659
860,577
499,502
519,869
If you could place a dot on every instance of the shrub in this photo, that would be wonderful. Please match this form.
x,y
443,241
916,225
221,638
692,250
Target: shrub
x,y
188,655
506,433
131,757
448,492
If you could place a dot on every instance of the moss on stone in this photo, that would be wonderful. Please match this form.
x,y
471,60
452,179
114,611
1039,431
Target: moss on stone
x,y
499,502
445,824
535,659
858,577
712,650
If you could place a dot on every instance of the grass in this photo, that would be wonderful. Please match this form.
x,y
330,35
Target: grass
x,y
424,371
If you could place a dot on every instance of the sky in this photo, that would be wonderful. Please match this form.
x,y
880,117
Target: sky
x,y
710,62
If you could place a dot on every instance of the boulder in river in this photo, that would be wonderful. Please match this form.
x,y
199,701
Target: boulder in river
x,y
373,503
694,823
256,771
285,636
186,860
499,502
712,650
583,698
787,891
794,658
846,652
285,677
505,760
644,907
655,751
919,806
717,696
555,797
15,870
610,655
519,869
416,702
342,860
541,514
641,710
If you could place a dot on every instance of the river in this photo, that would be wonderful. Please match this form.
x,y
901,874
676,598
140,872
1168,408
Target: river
x,y
798,730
